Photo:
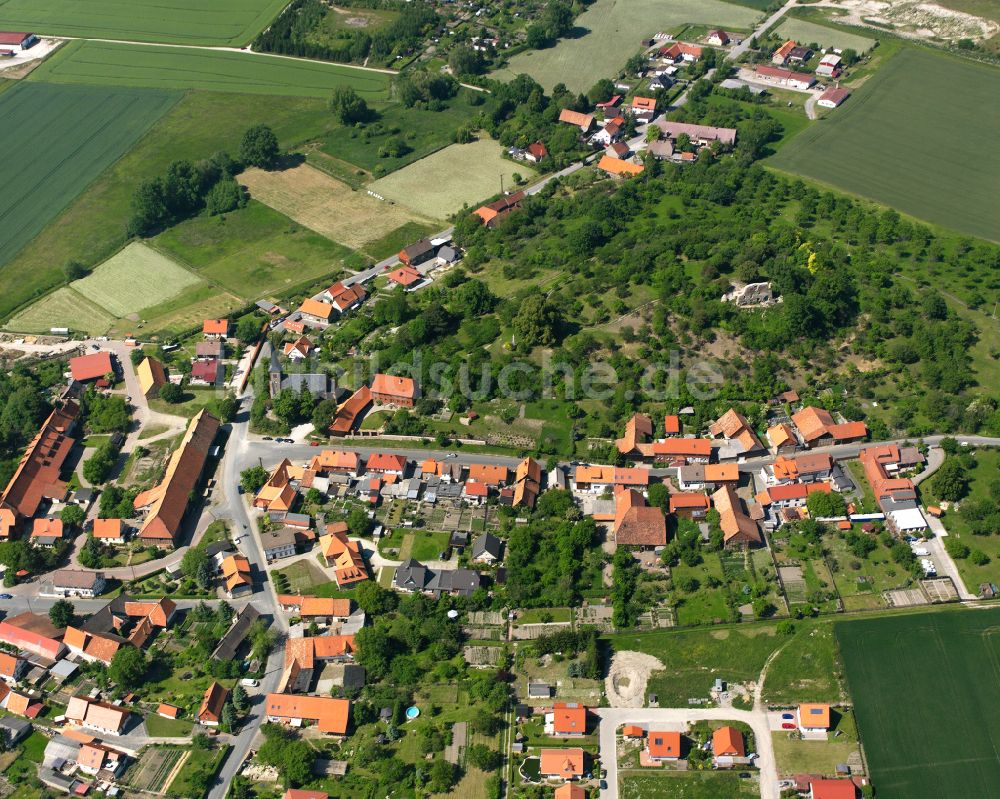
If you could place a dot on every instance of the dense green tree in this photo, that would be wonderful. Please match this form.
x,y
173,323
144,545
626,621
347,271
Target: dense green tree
x,y
348,106
62,613
171,393
259,147
951,482
225,196
128,668
72,515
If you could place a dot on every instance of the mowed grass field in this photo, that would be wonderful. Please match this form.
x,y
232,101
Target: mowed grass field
x,y
916,136
462,174
55,140
232,22
811,33
134,279
254,252
110,64
327,206
62,308
609,31
932,678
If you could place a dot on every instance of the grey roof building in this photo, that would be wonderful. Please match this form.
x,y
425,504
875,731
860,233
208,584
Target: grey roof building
x,y
487,548
226,650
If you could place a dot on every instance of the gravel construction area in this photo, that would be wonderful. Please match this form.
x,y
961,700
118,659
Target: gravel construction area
x,y
625,684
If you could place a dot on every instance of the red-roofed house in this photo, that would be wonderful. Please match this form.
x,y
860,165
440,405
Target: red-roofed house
x,y
205,373
636,523
535,152
566,764
33,633
386,463
492,214
94,366
672,425
662,746
567,719
832,789
392,390
215,328
833,97
728,742
405,276
681,51
689,505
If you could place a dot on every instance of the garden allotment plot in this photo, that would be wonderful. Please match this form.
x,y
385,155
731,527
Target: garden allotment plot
x,y
109,64
55,140
231,22
926,689
919,135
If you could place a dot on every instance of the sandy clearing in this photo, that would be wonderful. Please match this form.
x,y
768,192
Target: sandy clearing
x,y
625,684
912,19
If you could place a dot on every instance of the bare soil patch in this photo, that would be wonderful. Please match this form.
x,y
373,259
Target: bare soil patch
x,y
625,684
913,19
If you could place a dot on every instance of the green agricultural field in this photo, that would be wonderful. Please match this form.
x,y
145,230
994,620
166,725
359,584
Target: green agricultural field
x,y
806,669
232,22
462,174
90,229
55,141
813,33
134,279
922,167
109,64
70,308
610,32
936,675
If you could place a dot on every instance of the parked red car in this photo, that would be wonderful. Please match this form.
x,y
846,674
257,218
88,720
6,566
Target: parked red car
x,y
788,726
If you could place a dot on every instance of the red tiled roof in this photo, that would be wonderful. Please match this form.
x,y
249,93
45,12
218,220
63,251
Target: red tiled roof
x,y
92,366
215,327
394,386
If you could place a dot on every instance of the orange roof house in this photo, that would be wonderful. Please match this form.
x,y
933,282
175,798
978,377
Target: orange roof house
x,y
813,717
782,437
569,718
780,56
737,527
527,483
832,789
663,745
722,473
728,741
298,349
488,473
583,121
37,474
684,503
636,523
691,449
316,311
112,530
335,460
96,715
495,212
385,463
168,711
168,502
330,715
405,276
11,667
638,430
733,426
216,328
8,521
672,424
633,731
210,711
618,167
236,574
344,556
92,646
47,528
564,763
91,367
351,412
277,493
312,607
393,390
643,104
589,477
569,791
817,427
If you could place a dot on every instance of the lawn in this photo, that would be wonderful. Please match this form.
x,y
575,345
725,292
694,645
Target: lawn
x,y
110,64
254,251
72,309
459,175
200,760
134,279
159,727
797,756
944,681
55,141
870,145
232,22
609,31
806,32
90,229
685,785
304,577
423,546
327,206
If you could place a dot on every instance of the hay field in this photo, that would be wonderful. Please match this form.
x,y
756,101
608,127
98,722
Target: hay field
x,y
461,174
232,22
807,32
331,208
62,308
54,141
610,32
936,675
111,64
916,136
134,279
